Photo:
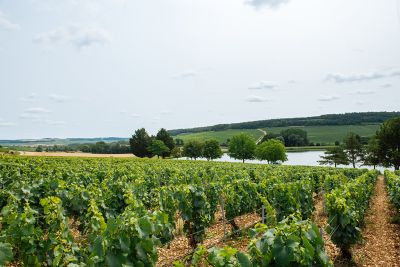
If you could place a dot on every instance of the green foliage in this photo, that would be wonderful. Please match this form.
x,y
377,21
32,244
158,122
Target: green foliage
x,y
158,148
212,150
291,242
370,156
110,211
393,186
353,147
193,149
334,156
242,146
389,143
346,206
166,138
271,151
140,142
294,137
176,152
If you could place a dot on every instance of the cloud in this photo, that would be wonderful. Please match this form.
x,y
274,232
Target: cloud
x,y
184,75
328,98
55,122
256,99
370,92
264,85
58,98
77,36
360,103
257,4
134,115
342,78
7,24
387,85
166,112
30,98
36,113
4,123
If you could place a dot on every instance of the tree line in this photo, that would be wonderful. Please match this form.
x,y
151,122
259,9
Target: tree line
x,y
120,147
383,149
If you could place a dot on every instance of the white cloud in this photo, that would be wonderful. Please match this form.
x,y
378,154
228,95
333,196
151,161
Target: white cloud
x,y
359,77
328,98
264,85
266,3
360,103
135,115
4,123
387,85
35,113
78,36
184,75
7,24
166,112
256,99
369,92
55,122
30,98
58,98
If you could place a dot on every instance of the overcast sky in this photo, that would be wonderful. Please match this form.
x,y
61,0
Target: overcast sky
x,y
90,68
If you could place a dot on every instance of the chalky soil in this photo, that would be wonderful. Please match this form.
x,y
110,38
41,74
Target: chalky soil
x,y
381,244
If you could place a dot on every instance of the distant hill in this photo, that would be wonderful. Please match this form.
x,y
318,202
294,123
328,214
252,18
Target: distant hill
x,y
355,118
59,141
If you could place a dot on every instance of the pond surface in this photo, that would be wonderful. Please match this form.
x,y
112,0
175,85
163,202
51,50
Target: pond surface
x,y
308,158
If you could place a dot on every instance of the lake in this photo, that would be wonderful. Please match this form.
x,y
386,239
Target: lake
x,y
307,158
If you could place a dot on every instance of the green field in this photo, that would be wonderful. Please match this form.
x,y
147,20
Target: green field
x,y
330,134
316,134
220,136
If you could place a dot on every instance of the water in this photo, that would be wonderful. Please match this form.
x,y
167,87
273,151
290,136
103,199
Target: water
x,y
307,158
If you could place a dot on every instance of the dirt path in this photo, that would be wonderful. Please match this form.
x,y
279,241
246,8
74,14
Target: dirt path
x,y
381,246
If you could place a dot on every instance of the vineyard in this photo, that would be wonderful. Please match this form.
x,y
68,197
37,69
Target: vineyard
x,y
131,212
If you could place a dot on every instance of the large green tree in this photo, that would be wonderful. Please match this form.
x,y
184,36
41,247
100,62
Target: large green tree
x,y
389,143
193,149
370,157
212,150
139,143
157,147
242,146
272,151
334,156
164,136
353,147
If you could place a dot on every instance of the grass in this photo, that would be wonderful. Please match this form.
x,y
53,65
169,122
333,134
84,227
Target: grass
x,y
220,136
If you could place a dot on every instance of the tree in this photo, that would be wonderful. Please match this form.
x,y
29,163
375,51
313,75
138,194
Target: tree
x,y
272,151
212,150
242,146
157,147
139,143
389,143
176,152
193,149
334,156
39,149
370,156
294,137
164,136
353,147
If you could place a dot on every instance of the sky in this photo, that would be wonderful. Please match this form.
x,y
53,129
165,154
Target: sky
x,y
96,68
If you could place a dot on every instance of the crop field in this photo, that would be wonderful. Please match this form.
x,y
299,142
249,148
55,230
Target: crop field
x,y
316,134
143,212
220,136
